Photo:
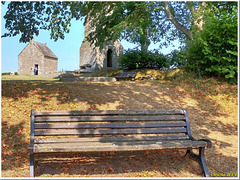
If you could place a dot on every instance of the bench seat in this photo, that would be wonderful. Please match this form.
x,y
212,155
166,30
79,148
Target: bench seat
x,y
98,146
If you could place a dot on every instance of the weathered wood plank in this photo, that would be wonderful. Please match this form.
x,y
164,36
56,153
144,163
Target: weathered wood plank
x,y
110,131
103,147
108,112
108,125
110,119
110,139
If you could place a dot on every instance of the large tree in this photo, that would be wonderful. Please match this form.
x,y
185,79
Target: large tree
x,y
142,22
137,22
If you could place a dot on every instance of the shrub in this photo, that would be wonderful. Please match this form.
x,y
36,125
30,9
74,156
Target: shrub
x,y
10,73
213,51
134,59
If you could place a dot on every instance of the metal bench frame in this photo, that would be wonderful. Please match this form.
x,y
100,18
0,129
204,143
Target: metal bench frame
x,y
158,129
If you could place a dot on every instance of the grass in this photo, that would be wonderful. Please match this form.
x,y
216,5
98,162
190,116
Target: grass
x,y
26,78
212,107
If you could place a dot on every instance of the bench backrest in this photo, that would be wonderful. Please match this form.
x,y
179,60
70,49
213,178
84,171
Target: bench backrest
x,y
167,124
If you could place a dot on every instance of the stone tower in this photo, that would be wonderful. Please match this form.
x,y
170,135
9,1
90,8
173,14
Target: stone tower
x,y
92,58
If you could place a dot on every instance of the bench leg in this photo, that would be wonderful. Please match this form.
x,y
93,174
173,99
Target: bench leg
x,y
31,168
189,153
201,157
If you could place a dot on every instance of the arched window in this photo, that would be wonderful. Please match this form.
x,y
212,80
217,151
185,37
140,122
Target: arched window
x,y
109,58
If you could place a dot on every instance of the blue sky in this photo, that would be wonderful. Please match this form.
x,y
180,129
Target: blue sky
x,y
67,50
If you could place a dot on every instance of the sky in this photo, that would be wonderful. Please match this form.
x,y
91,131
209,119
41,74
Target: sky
x,y
67,50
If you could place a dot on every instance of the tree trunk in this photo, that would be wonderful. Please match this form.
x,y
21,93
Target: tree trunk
x,y
144,46
182,28
199,19
144,41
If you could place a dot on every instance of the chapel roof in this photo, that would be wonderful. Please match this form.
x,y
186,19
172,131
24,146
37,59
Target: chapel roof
x,y
45,50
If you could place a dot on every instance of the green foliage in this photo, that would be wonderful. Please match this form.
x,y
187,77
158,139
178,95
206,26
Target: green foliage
x,y
27,18
136,22
10,73
134,59
177,59
214,49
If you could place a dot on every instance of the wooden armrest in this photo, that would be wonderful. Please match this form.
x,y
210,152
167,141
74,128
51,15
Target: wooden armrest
x,y
209,143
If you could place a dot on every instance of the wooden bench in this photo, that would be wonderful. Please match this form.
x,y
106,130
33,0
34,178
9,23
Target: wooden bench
x,y
126,75
112,130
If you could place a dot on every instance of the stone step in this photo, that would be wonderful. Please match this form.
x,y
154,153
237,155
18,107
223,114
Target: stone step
x,y
101,79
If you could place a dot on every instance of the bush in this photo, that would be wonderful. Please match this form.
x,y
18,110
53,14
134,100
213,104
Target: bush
x,y
7,73
213,51
135,59
10,73
177,59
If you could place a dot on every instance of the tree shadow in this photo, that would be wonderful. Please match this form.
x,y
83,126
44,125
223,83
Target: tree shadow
x,y
107,164
14,146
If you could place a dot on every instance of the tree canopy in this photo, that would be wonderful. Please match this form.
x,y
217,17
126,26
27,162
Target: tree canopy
x,y
137,22
28,17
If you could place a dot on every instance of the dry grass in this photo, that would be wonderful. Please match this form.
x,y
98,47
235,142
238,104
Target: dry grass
x,y
211,105
26,77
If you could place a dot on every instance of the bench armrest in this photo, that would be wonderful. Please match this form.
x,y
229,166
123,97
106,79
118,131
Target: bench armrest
x,y
209,143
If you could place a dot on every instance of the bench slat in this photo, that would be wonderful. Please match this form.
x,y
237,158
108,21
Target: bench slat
x,y
110,119
108,125
110,131
111,139
121,146
108,112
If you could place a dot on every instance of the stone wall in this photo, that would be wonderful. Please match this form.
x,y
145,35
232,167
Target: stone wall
x,y
50,65
117,49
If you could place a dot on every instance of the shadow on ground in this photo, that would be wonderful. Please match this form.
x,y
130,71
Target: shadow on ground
x,y
139,164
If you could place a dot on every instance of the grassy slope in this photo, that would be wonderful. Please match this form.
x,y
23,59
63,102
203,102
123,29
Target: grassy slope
x,y
212,107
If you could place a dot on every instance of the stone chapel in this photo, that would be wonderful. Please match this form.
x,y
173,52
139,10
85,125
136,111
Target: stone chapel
x,y
37,55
